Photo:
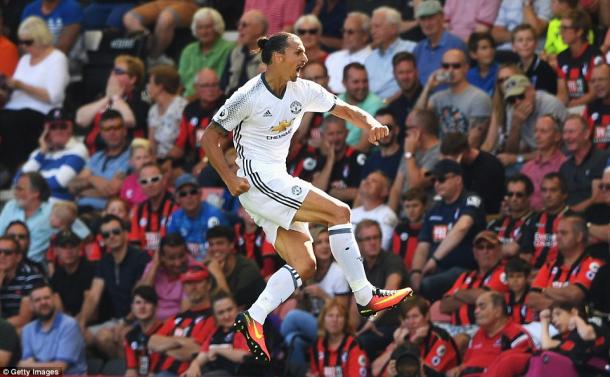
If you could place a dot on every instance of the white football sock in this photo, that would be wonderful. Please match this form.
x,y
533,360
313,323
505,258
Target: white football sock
x,y
280,286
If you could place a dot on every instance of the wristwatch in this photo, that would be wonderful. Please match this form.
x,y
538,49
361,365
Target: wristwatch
x,y
408,155
520,159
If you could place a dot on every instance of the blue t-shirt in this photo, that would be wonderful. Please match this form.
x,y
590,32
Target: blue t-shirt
x,y
67,12
487,83
63,342
195,230
106,167
429,58
441,218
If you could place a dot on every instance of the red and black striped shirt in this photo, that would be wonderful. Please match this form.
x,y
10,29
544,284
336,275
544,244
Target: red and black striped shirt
x,y
517,310
404,241
510,229
254,246
597,114
345,361
149,226
137,354
539,237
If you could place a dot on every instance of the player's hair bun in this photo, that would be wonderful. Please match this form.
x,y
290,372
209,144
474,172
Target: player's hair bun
x,y
262,42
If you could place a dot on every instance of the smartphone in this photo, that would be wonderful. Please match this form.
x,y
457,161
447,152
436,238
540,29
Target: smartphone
x,y
443,76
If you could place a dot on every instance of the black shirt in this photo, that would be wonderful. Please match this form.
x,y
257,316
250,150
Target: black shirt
x,y
304,162
9,342
346,171
578,178
71,287
577,70
401,107
245,281
542,75
485,175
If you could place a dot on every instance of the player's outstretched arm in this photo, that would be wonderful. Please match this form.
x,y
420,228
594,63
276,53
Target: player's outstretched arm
x,y
361,119
211,144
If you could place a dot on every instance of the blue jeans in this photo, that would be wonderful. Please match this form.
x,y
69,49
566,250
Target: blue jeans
x,y
100,16
299,330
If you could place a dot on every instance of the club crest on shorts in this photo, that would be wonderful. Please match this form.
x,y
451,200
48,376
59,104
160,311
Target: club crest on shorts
x,y
296,107
296,190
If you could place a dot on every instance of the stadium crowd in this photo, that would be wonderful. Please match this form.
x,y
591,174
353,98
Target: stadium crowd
x,y
122,252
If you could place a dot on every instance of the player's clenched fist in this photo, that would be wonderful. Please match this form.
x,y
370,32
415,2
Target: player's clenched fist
x,y
238,186
377,133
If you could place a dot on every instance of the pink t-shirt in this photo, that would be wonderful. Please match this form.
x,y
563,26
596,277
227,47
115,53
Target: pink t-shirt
x,y
131,192
279,12
169,292
462,16
536,169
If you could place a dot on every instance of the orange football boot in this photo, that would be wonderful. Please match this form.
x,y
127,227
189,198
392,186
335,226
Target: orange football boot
x,y
253,332
384,299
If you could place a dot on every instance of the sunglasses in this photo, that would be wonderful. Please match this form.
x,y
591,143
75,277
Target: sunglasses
x,y
500,80
517,194
112,232
442,179
8,251
148,181
513,99
185,193
18,236
26,42
604,186
112,128
307,31
370,238
119,71
452,65
58,126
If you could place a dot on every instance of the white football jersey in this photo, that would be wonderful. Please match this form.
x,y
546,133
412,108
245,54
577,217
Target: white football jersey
x,y
263,123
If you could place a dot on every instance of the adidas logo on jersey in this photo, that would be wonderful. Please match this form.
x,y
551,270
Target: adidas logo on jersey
x,y
267,114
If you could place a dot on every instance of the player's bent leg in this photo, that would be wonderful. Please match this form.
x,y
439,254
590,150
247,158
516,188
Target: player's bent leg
x,y
321,208
296,249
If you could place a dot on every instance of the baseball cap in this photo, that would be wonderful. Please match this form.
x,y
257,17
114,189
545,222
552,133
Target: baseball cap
x,y
444,167
58,115
515,85
486,235
66,238
428,8
195,272
186,179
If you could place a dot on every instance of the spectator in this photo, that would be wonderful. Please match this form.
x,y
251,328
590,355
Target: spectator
x,y
139,155
405,74
599,226
252,243
103,175
459,301
16,277
149,219
464,18
448,233
164,116
9,54
356,29
10,349
60,157
482,172
386,43
516,12
169,260
517,214
232,272
538,242
282,13
331,14
568,278
462,107
63,18
548,157
34,92
123,95
433,344
242,64
573,79
118,207
482,49
299,326
195,217
210,50
405,361
100,14
309,28
138,358
181,336
383,269
597,112
429,52
166,16
53,340
517,278
539,72
584,167
20,232
404,238
500,347
524,105
225,350
422,152
387,156
336,347
554,43
31,205
196,116
73,274
373,192
356,82
115,277
341,168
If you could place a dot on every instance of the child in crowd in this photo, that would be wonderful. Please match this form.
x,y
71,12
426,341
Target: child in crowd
x,y
517,275
139,155
404,238
482,50
540,73
63,215
118,207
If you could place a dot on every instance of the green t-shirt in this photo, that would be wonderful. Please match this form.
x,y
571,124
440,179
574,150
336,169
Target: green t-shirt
x,y
371,104
192,60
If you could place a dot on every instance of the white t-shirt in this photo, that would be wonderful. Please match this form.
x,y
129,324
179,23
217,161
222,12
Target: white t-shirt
x,y
51,74
333,283
263,123
384,215
166,127
335,63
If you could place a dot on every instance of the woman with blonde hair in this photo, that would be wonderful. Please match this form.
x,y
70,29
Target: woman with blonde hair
x,y
38,85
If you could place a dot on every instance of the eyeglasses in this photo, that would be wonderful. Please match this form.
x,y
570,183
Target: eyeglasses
x,y
111,232
566,27
8,251
370,238
452,65
512,100
517,194
119,71
18,236
58,126
148,181
118,127
484,246
307,31
185,193
26,42
604,186
442,179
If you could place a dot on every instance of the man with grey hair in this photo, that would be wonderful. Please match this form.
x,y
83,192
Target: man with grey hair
x,y
356,29
385,26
